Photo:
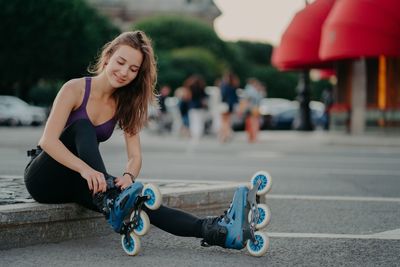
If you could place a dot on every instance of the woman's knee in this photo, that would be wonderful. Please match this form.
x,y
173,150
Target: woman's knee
x,y
81,126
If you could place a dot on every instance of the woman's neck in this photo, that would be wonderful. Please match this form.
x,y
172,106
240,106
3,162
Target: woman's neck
x,y
101,86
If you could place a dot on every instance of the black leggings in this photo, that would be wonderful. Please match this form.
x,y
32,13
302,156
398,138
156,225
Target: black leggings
x,y
51,182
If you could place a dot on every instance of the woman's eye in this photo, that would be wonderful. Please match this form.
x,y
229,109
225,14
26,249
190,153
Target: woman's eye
x,y
120,63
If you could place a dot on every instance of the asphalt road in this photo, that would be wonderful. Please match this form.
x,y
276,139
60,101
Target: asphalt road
x,y
335,199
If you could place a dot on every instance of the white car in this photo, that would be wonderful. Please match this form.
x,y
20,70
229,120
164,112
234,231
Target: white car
x,y
14,111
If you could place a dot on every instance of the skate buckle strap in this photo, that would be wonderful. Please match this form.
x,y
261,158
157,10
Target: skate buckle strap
x,y
33,153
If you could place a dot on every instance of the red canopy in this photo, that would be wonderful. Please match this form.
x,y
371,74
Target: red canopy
x,y
361,28
300,43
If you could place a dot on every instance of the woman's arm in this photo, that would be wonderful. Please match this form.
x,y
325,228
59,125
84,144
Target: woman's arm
x,y
67,98
134,164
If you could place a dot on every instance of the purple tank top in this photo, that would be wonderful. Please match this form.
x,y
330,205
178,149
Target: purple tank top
x,y
104,130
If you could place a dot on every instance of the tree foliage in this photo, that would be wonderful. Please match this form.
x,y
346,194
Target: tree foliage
x,y
185,46
188,61
171,32
255,52
278,84
48,40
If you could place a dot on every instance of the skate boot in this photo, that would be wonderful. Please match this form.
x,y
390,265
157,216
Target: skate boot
x,y
236,229
123,211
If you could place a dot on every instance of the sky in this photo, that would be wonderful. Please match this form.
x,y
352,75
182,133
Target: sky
x,y
255,20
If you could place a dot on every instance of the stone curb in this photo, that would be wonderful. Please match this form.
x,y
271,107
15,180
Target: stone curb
x,y
33,223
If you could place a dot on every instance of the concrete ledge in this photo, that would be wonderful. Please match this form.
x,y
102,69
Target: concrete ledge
x,y
33,223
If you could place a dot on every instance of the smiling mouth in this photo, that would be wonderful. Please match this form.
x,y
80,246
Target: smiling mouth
x,y
119,80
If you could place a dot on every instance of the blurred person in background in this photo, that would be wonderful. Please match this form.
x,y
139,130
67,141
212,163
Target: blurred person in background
x,y
198,105
183,95
164,118
254,92
229,85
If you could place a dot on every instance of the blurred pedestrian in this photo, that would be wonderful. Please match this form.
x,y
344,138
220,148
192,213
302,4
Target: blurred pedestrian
x,y
254,92
183,94
197,105
164,119
229,85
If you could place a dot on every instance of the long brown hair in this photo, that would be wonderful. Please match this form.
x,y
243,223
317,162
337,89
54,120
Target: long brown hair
x,y
132,100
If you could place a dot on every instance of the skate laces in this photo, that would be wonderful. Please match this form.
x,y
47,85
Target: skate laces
x,y
225,216
105,201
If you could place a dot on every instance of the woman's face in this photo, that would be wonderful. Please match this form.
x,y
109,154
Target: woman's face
x,y
123,66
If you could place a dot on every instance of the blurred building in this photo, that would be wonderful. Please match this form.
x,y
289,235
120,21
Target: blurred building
x,y
124,13
360,41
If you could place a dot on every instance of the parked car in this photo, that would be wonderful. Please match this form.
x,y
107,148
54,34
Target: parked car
x,y
271,107
289,119
14,111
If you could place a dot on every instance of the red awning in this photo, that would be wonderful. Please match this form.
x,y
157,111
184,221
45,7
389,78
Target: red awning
x,y
300,43
361,28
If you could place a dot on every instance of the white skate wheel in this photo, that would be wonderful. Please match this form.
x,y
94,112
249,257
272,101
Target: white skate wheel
x,y
144,224
265,216
266,182
155,196
133,248
260,247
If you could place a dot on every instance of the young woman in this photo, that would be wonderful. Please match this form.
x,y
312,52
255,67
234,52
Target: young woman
x,y
67,165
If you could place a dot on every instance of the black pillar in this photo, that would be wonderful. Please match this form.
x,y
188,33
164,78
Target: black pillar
x,y
303,96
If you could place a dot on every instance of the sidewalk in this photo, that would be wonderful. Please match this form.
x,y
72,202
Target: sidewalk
x,y
33,223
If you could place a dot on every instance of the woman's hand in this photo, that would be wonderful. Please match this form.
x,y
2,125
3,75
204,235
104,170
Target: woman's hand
x,y
123,181
95,180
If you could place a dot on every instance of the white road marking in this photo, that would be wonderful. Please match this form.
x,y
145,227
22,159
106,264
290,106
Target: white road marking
x,y
388,235
341,198
336,171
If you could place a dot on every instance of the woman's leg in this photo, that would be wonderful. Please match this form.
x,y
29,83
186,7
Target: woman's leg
x,y
175,221
180,223
51,182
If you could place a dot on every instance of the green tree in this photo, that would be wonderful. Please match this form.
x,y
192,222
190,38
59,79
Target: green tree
x,y
279,84
185,46
50,40
181,45
257,53
171,32
180,63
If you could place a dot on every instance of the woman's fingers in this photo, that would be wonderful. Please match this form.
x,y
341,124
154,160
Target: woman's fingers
x,y
95,185
102,184
96,181
89,182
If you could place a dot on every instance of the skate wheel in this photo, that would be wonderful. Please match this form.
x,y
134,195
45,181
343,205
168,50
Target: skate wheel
x,y
260,247
266,182
133,248
264,218
144,224
155,196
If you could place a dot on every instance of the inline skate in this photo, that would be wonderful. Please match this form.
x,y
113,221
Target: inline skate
x,y
237,228
123,211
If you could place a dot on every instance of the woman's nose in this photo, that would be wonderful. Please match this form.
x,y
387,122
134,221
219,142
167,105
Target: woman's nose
x,y
124,71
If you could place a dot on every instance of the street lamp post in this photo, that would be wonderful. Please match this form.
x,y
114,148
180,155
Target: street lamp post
x,y
303,96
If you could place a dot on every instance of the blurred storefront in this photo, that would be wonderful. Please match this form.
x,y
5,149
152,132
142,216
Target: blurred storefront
x,y
360,41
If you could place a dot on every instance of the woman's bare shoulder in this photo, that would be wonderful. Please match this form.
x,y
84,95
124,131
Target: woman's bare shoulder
x,y
74,85
73,90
